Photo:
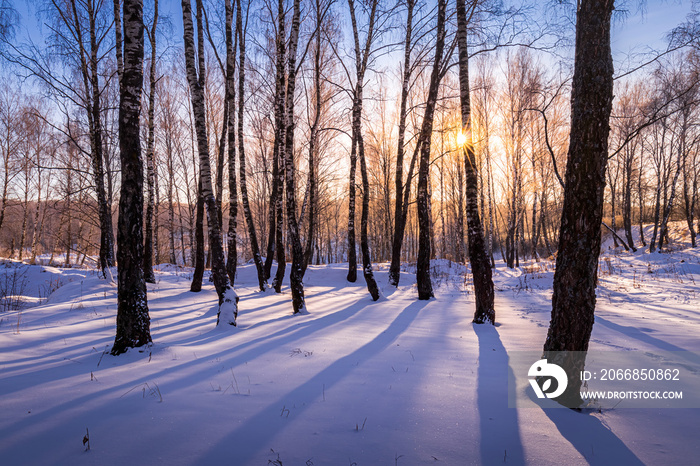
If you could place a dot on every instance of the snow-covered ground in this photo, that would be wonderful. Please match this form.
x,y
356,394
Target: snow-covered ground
x,y
393,382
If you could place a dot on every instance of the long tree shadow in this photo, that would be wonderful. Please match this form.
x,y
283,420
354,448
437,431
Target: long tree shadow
x,y
644,337
500,431
260,429
593,439
232,356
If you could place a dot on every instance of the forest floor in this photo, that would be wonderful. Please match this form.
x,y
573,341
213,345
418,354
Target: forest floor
x,y
355,382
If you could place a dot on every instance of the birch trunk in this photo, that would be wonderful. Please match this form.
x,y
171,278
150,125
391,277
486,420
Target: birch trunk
x,y
272,209
640,196
663,227
627,196
133,322
279,226
171,223
88,67
296,274
6,169
118,40
105,211
352,254
657,214
228,308
313,141
170,165
489,191
280,102
690,189
399,218
156,225
219,193
573,299
252,235
425,287
25,209
198,253
478,258
545,235
37,211
68,202
230,124
364,240
358,149
150,157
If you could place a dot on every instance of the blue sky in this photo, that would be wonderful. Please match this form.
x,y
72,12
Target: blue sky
x,y
643,26
640,25
647,27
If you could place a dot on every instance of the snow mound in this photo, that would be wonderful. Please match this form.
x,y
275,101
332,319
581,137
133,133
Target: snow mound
x,y
228,309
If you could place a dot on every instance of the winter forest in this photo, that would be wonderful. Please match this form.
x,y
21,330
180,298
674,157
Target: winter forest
x,y
189,189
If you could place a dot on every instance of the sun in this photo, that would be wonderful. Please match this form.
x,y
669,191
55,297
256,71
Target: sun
x,y
461,139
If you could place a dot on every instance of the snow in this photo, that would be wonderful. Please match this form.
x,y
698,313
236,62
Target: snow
x,y
228,310
397,381
36,281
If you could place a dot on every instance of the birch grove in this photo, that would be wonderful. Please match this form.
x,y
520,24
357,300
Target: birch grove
x,y
448,132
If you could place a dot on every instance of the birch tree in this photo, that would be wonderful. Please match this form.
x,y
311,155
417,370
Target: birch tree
x,y
253,237
296,273
198,233
400,207
168,124
425,287
357,150
230,123
278,168
151,240
133,322
625,122
228,307
573,300
9,143
78,42
478,258
314,130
